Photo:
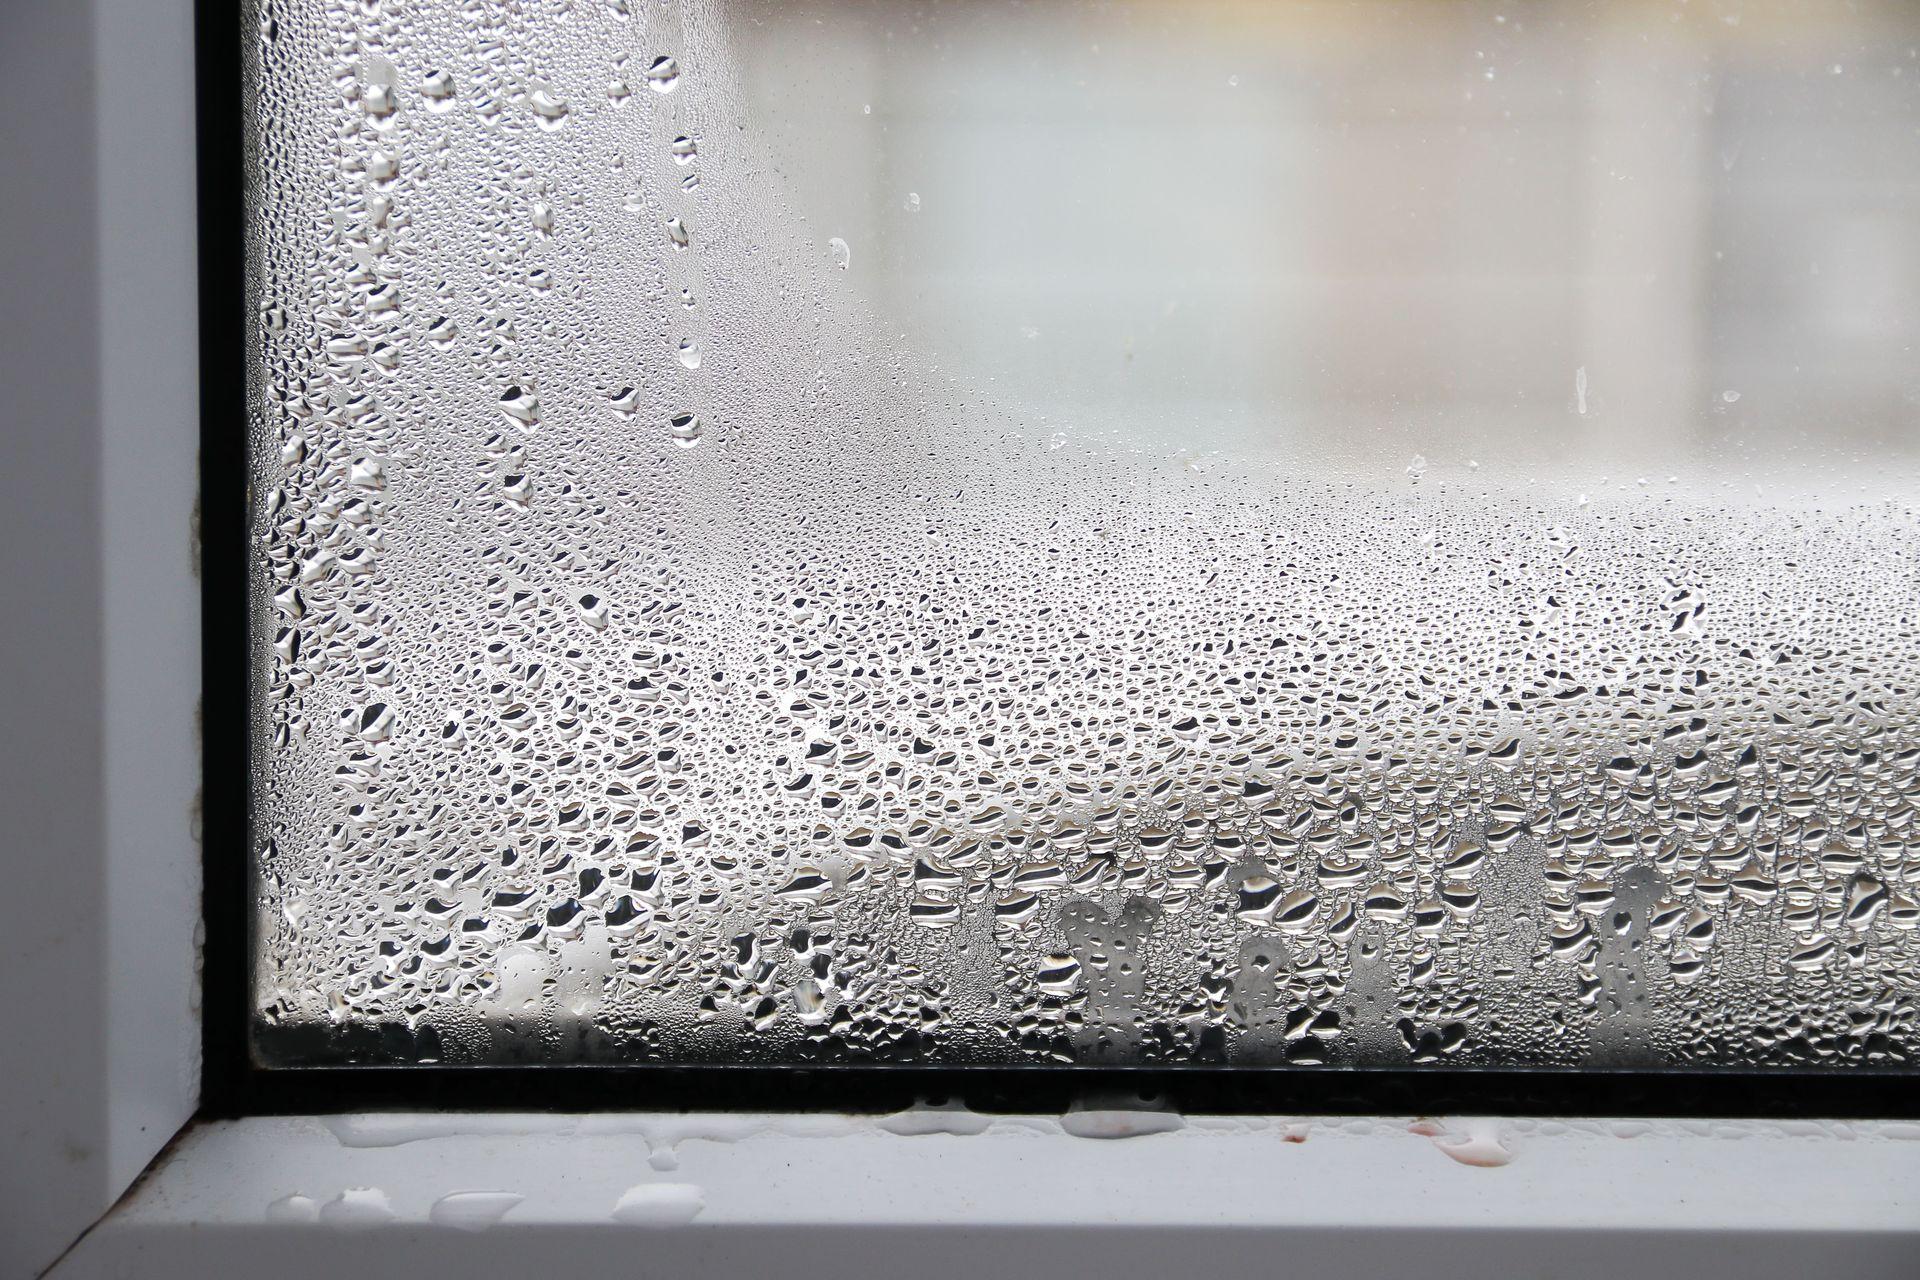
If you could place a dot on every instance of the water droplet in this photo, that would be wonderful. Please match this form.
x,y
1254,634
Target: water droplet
x,y
842,254
689,353
367,473
521,406
664,74
685,429
358,1207
683,149
550,110
472,1210
659,1204
677,234
377,100
373,723
294,1208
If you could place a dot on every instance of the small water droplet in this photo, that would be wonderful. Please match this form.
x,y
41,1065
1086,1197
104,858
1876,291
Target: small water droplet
x,y
677,234
683,149
689,353
912,202
842,255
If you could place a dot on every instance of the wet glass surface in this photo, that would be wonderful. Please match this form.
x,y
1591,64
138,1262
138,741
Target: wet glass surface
x,y
1182,533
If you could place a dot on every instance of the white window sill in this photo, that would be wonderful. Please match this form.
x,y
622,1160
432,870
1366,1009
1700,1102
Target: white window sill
x,y
834,1196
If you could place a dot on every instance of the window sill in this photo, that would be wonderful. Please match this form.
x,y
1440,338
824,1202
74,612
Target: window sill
x,y
952,1192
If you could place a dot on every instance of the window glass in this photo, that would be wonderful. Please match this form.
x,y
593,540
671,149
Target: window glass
x,y
982,533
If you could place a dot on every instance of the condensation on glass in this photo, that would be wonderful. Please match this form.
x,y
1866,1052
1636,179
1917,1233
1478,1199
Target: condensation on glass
x,y
1141,532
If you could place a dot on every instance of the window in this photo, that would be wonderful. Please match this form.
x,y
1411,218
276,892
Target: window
x,y
1133,535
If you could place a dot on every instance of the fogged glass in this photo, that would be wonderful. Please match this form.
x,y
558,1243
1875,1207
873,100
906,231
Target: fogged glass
x,y
1141,532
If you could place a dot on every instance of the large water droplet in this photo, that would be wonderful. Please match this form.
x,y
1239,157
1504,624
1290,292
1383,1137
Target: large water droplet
x,y
377,100
550,109
664,74
521,406
437,89
685,429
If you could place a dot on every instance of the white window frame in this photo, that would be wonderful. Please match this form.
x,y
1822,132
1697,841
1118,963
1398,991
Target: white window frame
x,y
99,1069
